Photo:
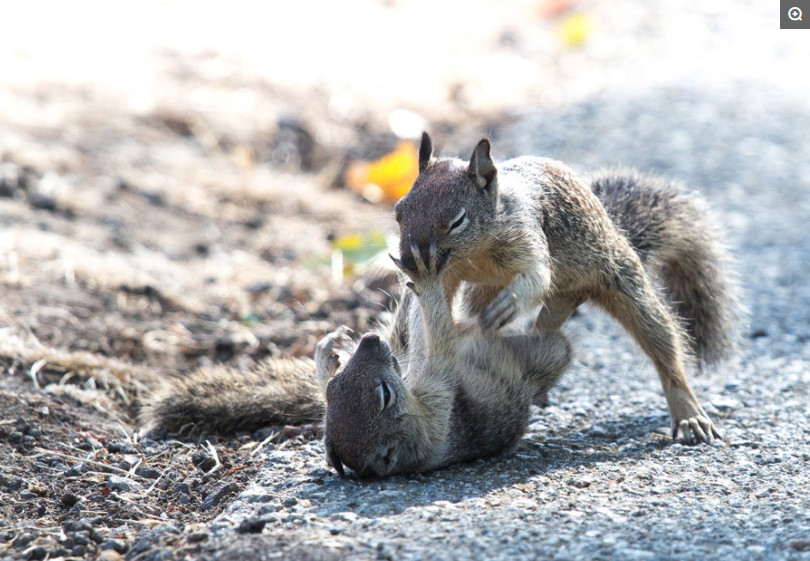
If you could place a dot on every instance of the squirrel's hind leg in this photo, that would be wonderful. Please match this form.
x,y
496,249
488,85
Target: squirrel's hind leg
x,y
632,300
543,360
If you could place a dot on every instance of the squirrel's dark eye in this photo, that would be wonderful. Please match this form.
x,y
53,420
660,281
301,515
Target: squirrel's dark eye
x,y
385,395
459,222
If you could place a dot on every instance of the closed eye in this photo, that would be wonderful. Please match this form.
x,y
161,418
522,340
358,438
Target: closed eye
x,y
385,395
459,222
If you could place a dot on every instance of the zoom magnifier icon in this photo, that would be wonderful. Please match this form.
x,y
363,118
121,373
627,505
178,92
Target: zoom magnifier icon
x,y
795,14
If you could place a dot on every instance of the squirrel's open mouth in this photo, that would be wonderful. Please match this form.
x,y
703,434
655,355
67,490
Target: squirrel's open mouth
x,y
334,460
381,466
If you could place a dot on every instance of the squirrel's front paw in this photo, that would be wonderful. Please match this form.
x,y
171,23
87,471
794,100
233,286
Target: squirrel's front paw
x,y
424,272
326,349
502,310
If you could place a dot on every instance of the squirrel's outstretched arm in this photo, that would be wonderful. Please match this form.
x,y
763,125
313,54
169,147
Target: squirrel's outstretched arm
x,y
437,326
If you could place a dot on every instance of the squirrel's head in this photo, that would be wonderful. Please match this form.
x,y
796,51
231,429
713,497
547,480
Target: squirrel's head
x,y
365,402
450,200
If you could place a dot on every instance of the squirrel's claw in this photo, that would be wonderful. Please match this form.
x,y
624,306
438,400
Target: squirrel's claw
x,y
326,350
501,310
342,331
442,261
410,273
399,264
436,262
421,268
340,336
690,424
696,430
432,250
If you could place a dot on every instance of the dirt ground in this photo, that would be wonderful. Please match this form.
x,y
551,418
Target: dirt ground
x,y
139,246
131,250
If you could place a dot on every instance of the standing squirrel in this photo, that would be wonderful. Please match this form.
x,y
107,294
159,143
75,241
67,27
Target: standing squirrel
x,y
529,232
422,394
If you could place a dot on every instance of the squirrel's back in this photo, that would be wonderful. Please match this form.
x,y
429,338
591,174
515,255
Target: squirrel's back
x,y
222,400
671,231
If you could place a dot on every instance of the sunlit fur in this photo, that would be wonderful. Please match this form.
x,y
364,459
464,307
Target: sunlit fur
x,y
539,234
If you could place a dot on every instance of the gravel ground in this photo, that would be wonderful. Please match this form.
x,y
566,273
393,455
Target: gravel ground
x,y
595,477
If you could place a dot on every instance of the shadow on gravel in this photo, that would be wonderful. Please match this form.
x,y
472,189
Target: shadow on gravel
x,y
610,442
258,546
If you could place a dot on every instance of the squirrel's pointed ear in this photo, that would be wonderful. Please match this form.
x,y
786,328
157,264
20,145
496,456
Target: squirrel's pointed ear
x,y
482,168
425,151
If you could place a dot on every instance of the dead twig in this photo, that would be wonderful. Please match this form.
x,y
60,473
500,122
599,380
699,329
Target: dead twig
x,y
664,436
213,451
234,469
260,446
100,465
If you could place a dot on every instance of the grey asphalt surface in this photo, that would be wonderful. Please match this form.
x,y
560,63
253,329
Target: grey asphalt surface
x,y
594,478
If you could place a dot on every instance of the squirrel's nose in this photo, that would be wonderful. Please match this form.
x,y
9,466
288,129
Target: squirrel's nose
x,y
369,342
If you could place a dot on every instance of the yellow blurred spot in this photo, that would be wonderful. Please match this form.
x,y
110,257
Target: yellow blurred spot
x,y
575,29
348,242
388,178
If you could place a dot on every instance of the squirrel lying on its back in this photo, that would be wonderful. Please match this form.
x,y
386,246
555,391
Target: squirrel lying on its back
x,y
449,394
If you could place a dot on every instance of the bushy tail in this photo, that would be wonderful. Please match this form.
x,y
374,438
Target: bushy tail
x,y
671,231
222,400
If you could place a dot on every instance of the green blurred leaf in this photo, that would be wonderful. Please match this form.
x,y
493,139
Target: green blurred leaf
x,y
360,248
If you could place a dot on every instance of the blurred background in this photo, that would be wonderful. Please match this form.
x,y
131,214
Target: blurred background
x,y
199,179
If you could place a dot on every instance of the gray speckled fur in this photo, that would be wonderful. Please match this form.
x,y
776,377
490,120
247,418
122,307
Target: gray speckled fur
x,y
458,393
223,400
